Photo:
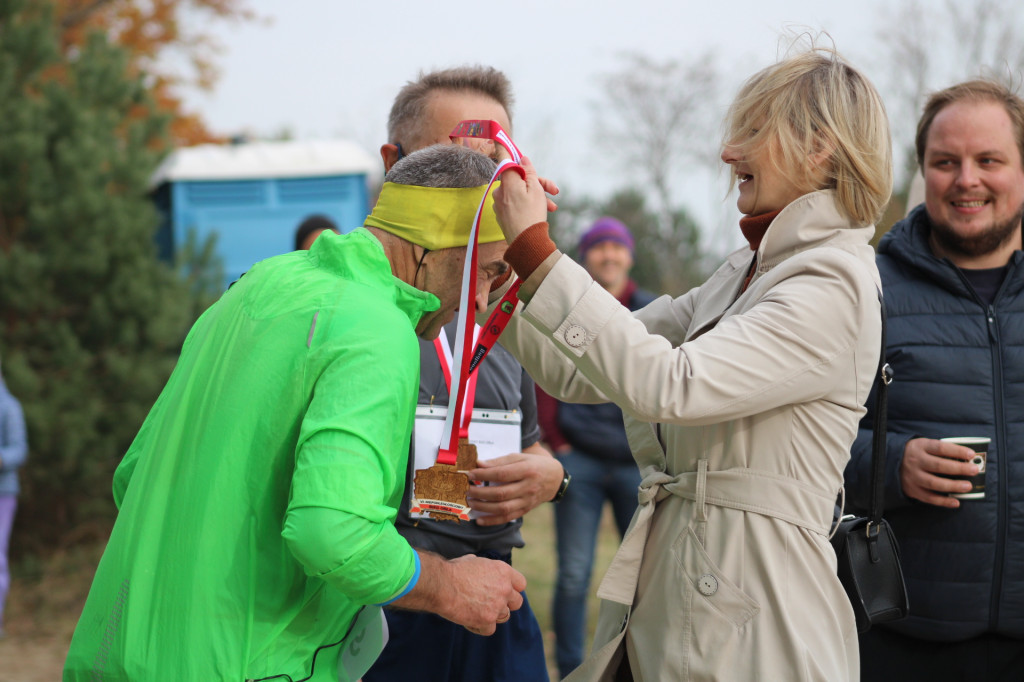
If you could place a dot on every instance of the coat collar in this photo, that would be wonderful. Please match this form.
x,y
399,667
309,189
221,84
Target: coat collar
x,y
360,256
810,221
907,243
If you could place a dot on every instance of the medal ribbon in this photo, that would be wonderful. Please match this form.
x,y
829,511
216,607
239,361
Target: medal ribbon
x,y
449,449
495,325
444,356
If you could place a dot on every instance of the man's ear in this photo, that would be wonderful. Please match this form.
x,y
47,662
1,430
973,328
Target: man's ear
x,y
389,154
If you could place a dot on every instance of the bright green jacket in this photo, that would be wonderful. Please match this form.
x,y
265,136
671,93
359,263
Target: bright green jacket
x,y
257,501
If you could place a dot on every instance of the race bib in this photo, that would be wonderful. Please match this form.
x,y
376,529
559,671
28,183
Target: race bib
x,y
364,644
494,433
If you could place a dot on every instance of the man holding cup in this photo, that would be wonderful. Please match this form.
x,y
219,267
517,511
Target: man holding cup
x,y
953,281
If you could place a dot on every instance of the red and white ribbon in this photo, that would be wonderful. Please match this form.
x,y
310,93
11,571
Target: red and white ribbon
x,y
457,404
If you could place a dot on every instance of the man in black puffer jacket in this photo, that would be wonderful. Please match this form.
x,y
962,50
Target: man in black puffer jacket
x,y
953,278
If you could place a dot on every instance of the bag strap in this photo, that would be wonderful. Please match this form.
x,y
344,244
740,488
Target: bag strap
x,y
879,436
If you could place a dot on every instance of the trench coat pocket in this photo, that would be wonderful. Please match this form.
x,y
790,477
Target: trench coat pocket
x,y
709,587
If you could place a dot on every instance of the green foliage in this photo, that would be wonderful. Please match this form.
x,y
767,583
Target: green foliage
x,y
201,269
666,260
90,321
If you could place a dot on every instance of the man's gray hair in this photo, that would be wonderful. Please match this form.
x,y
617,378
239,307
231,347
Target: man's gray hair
x,y
443,165
409,108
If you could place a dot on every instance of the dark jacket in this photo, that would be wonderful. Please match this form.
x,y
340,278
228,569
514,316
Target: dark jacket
x,y
958,367
597,429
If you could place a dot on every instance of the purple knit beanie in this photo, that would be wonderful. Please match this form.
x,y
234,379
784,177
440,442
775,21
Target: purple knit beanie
x,y
606,230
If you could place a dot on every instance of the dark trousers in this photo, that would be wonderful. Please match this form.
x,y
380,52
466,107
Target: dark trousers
x,y
423,647
886,655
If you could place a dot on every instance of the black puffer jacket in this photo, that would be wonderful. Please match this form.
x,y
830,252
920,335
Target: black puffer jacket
x,y
959,371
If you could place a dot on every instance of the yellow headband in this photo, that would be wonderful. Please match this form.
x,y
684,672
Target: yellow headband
x,y
435,218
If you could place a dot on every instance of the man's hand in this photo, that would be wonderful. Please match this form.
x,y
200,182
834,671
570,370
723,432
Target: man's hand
x,y
528,479
925,461
474,592
519,203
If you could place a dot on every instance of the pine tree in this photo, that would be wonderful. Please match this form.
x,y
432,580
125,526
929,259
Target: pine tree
x,y
90,320
665,261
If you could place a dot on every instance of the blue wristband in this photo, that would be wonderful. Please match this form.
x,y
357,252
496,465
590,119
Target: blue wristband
x,y
411,584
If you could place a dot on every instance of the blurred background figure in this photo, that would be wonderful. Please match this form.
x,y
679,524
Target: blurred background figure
x,y
310,228
13,449
590,441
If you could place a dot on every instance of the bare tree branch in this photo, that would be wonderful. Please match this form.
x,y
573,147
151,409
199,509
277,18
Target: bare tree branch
x,y
927,48
657,118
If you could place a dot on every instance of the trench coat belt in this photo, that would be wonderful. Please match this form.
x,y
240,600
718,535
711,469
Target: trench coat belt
x,y
749,490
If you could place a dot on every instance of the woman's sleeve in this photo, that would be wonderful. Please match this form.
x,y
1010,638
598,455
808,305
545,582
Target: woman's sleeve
x,y
554,371
778,352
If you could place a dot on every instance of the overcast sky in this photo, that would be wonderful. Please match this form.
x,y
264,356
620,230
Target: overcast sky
x,y
323,68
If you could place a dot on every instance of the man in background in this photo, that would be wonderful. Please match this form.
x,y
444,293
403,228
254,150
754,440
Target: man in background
x,y
310,228
590,441
953,279
423,647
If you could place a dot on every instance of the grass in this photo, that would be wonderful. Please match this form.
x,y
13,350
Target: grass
x,y
45,601
47,597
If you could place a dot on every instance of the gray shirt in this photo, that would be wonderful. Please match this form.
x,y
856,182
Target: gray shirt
x,y
502,384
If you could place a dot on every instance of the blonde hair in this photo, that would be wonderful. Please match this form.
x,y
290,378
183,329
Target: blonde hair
x,y
808,103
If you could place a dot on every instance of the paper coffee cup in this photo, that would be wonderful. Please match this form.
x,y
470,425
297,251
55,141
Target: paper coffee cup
x,y
980,446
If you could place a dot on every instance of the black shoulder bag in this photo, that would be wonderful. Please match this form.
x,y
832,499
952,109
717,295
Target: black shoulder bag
x,y
869,558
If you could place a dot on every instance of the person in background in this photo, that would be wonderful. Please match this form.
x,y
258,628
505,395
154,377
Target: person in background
x,y
13,451
423,646
255,535
590,442
953,276
742,397
310,228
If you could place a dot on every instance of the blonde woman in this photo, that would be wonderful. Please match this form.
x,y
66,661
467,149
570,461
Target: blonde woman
x,y
742,397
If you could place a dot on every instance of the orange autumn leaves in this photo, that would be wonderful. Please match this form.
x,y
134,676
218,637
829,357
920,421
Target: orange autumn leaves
x,y
168,40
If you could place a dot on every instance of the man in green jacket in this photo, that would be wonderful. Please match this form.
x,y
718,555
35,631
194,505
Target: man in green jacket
x,y
255,538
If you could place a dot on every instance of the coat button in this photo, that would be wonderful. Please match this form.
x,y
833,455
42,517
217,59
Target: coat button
x,y
575,335
707,584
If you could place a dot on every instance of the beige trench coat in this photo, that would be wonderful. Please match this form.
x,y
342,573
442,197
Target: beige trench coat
x,y
740,410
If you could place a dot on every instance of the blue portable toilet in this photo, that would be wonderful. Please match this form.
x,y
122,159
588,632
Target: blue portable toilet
x,y
254,195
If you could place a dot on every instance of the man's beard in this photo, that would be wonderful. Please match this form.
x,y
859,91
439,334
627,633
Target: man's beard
x,y
979,244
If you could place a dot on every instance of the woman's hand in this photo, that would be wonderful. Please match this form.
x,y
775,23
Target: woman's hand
x,y
519,203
